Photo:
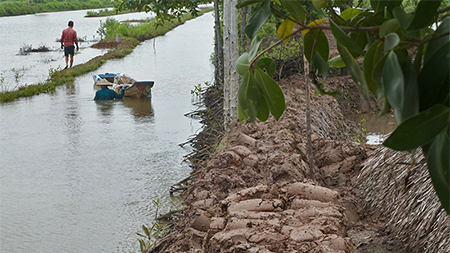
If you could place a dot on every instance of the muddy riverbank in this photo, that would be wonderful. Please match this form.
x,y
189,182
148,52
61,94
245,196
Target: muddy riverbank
x,y
256,193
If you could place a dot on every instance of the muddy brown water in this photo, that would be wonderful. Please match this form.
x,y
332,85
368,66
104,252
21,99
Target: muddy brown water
x,y
80,176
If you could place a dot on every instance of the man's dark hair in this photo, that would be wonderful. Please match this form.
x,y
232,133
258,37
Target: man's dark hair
x,y
70,23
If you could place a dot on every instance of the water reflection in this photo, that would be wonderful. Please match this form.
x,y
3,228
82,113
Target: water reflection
x,y
142,107
72,119
104,108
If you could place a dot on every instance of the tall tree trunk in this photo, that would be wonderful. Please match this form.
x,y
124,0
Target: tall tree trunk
x,y
306,69
230,55
235,78
218,50
226,66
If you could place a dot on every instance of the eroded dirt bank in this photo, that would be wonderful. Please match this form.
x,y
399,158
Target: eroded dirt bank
x,y
257,195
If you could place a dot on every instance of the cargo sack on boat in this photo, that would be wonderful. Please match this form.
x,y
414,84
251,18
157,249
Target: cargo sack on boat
x,y
123,79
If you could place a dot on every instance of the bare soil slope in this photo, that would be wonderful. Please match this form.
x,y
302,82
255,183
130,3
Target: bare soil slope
x,y
257,194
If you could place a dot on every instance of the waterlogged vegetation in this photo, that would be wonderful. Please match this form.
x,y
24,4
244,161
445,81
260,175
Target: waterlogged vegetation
x,y
131,35
15,8
148,29
104,13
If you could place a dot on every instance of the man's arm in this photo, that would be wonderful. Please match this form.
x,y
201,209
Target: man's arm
x,y
76,41
62,40
119,96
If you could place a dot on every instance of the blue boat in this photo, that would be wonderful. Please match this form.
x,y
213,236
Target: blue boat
x,y
132,87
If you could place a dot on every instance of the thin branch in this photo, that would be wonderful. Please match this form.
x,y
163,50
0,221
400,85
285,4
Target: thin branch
x,y
421,42
443,10
274,45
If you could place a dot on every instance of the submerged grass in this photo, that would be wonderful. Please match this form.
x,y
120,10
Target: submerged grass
x,y
129,41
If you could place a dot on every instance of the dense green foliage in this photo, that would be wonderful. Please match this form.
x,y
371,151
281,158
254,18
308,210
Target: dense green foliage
x,y
14,8
406,65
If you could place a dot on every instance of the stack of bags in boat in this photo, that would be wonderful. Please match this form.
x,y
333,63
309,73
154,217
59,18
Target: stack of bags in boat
x,y
122,81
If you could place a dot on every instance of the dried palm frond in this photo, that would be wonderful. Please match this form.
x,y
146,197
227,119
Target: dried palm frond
x,y
399,185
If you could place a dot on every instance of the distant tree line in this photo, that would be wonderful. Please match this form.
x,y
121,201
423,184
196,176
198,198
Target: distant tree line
x,y
23,7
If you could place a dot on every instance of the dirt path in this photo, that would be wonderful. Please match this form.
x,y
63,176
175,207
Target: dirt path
x,y
257,195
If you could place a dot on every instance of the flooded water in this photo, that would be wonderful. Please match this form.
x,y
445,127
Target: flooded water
x,y
376,127
80,176
44,29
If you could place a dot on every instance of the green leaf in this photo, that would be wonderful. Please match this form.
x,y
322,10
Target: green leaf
x,y
390,42
380,5
418,130
321,65
243,64
254,47
272,93
258,19
263,113
350,13
393,81
373,55
142,245
377,72
434,78
424,14
267,64
363,16
249,96
403,18
319,4
360,38
354,69
316,41
344,40
438,166
295,9
385,109
336,62
285,29
248,2
410,106
389,26
437,44
146,230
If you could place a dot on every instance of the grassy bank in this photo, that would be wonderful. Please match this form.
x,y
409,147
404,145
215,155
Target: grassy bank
x,y
15,8
104,13
130,39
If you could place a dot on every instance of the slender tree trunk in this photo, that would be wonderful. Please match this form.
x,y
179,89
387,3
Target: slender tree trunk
x,y
235,78
230,54
306,68
226,67
218,50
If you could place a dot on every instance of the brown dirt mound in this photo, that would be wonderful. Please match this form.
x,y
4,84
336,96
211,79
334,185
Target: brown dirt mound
x,y
256,193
